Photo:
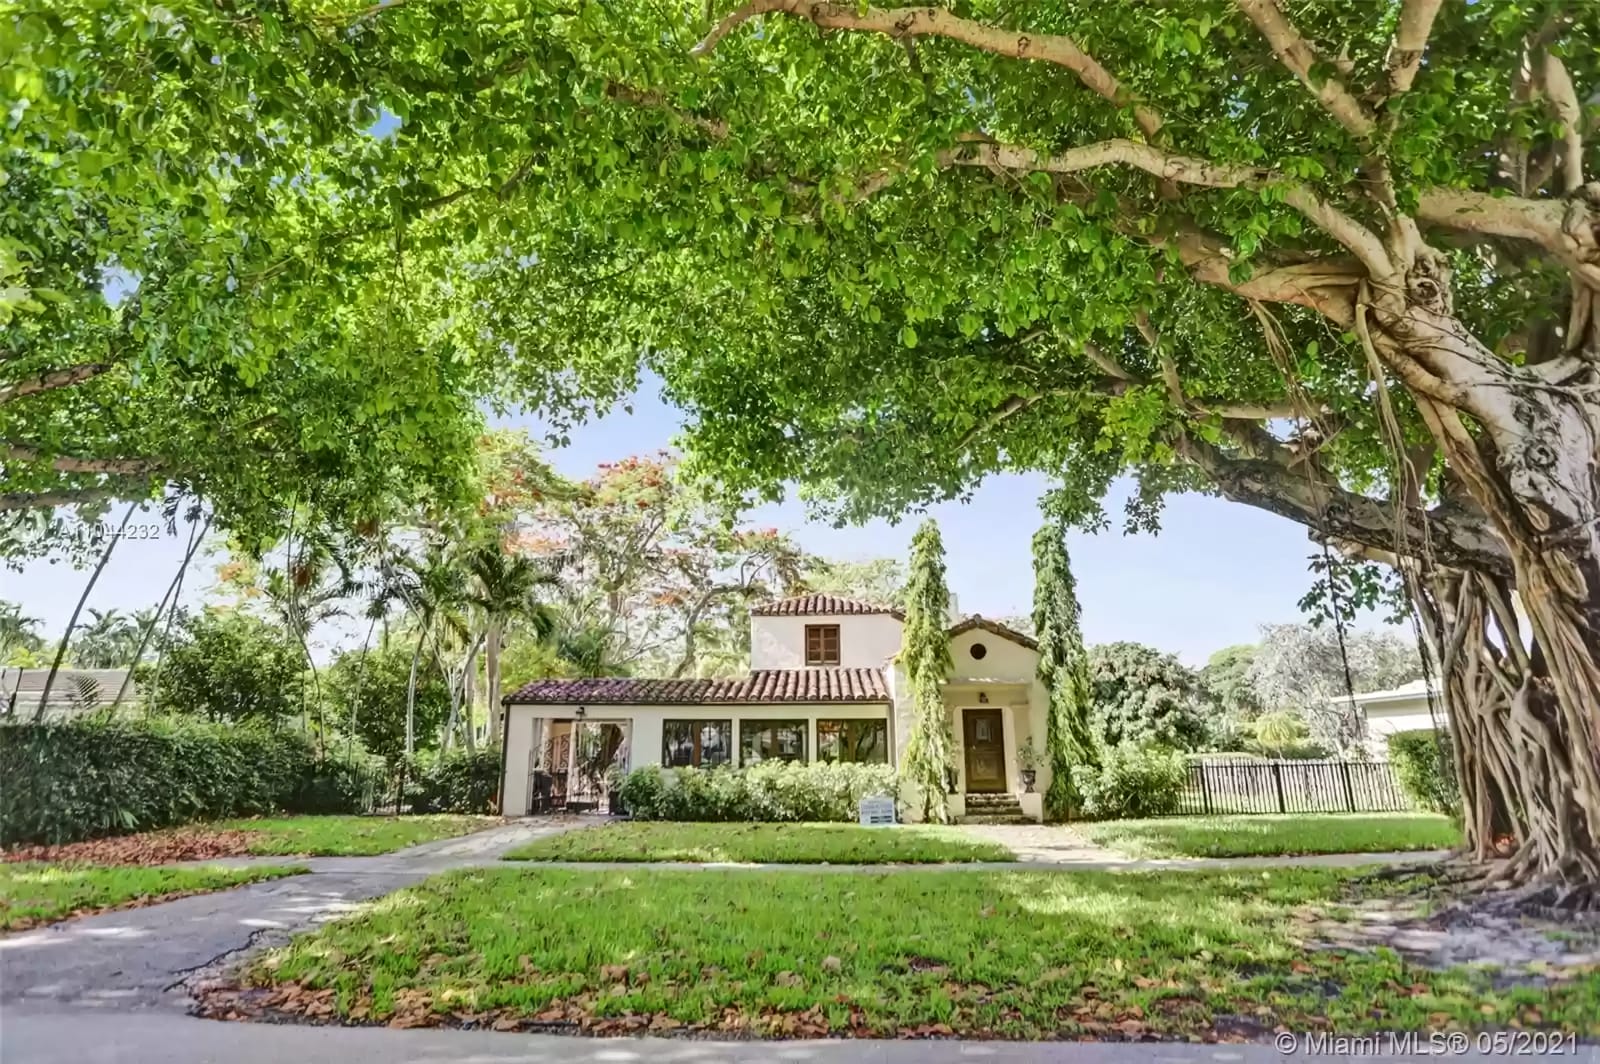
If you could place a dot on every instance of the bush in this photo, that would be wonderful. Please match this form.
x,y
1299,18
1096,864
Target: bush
x,y
82,779
773,791
1132,783
1425,768
457,782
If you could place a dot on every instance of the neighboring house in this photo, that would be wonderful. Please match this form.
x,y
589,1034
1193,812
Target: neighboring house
x,y
823,686
76,692
1405,708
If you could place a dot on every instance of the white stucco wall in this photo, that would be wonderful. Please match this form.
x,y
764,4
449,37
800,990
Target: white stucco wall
x,y
1386,718
866,641
644,740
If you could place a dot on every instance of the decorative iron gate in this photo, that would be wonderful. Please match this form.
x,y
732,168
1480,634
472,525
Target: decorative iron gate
x,y
574,770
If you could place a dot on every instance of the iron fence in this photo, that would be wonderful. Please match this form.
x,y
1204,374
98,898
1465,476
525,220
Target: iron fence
x,y
1332,786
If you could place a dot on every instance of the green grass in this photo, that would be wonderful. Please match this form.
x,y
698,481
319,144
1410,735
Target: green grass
x,y
33,893
349,836
762,843
1293,834
985,954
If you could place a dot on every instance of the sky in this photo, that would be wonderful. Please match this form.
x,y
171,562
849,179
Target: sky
x,y
1210,579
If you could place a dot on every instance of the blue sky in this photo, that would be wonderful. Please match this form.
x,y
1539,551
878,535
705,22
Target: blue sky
x,y
1217,571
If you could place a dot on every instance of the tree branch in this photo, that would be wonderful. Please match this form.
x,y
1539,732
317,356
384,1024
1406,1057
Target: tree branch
x,y
51,380
127,467
1457,539
1184,169
1564,101
1294,52
1410,41
910,22
39,500
1568,229
715,128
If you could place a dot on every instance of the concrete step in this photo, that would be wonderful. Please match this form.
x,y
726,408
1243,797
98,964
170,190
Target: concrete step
x,y
993,818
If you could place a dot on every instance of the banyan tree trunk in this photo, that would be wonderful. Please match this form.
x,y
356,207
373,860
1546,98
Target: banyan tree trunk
x,y
1525,819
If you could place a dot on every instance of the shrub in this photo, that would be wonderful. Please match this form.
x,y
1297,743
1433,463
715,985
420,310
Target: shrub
x,y
72,780
1425,768
1132,782
457,782
774,791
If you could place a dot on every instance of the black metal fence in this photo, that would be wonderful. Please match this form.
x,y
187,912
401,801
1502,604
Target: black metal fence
x,y
1292,787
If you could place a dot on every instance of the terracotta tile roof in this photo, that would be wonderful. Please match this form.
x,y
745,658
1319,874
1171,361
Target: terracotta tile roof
x,y
994,628
819,605
756,688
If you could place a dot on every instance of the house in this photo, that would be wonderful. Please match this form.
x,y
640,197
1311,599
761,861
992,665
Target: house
x,y
76,692
1404,708
823,686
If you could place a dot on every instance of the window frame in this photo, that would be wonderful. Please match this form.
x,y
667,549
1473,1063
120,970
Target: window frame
x,y
845,726
698,726
821,633
753,725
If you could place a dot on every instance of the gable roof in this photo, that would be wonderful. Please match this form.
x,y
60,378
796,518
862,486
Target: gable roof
x,y
993,628
766,687
820,605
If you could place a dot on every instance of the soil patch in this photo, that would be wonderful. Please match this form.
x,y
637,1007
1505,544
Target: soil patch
x,y
149,848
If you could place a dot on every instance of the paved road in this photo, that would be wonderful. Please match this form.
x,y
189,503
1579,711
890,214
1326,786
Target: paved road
x,y
28,1037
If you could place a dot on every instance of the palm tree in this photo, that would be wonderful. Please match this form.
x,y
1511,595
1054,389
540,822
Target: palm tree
x,y
17,632
506,588
106,641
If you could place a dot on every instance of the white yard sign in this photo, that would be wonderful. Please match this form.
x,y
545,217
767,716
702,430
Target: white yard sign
x,y
877,810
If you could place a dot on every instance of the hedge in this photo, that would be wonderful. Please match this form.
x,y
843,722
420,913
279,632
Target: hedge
x,y
1425,767
62,782
458,782
775,791
1132,783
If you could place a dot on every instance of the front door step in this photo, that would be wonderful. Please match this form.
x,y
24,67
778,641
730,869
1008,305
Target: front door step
x,y
993,809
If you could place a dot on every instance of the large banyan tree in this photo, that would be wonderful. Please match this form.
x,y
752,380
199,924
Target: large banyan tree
x,y
1338,261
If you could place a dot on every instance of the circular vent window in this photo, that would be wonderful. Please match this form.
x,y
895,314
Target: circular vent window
x,y
979,651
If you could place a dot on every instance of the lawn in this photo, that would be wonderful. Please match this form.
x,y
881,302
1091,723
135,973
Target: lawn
x,y
1292,834
33,894
787,954
349,836
762,843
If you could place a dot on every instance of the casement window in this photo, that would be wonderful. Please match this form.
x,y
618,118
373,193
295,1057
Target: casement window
x,y
702,743
822,644
856,741
772,740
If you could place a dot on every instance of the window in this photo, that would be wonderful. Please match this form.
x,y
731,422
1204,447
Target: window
x,y
822,644
772,740
860,741
696,742
979,652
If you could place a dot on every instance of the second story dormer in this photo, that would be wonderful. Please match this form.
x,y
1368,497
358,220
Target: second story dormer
x,y
823,631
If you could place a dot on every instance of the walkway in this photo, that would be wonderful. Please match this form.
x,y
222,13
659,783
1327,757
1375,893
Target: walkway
x,y
140,958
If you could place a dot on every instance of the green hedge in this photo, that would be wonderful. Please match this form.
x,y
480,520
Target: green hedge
x,y
1132,783
1425,768
62,782
774,791
458,782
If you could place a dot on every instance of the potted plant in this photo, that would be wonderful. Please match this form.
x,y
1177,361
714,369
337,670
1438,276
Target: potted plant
x,y
1028,758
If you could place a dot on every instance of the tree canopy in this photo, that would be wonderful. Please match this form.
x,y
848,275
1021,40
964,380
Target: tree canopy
x,y
1336,261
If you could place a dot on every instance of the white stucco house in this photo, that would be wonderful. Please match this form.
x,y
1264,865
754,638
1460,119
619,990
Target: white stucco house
x,y
822,686
1404,708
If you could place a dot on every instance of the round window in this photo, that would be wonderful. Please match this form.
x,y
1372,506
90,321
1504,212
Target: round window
x,y
979,651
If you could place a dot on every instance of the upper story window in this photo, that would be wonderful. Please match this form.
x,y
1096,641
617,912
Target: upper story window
x,y
822,644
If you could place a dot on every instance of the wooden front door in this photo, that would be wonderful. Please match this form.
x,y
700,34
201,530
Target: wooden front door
x,y
986,752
